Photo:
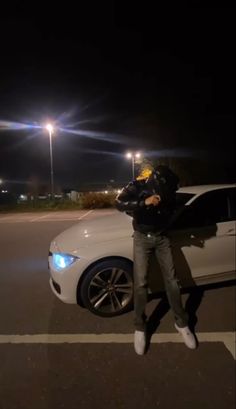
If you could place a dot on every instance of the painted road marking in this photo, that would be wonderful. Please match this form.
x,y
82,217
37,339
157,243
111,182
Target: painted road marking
x,y
48,217
39,218
84,215
35,221
228,339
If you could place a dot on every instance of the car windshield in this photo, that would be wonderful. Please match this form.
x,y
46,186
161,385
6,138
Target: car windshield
x,y
183,198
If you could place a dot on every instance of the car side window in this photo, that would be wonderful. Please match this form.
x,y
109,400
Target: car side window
x,y
207,210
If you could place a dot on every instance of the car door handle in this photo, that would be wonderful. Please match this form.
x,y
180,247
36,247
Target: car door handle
x,y
230,232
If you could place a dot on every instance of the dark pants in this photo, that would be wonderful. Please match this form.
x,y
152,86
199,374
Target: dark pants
x,y
144,246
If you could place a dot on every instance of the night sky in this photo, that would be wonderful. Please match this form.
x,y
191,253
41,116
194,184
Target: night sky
x,y
113,79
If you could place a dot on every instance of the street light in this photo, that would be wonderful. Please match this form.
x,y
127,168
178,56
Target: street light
x,y
133,156
49,128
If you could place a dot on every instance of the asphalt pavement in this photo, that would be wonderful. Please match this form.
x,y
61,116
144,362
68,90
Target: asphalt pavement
x,y
55,355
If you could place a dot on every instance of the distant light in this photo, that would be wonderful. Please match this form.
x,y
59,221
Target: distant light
x,y
106,192
23,197
49,127
129,155
4,191
118,190
1,181
138,155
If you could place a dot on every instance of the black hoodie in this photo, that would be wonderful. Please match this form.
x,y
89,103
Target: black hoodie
x,y
149,218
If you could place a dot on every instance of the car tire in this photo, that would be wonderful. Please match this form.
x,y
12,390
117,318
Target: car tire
x,y
107,288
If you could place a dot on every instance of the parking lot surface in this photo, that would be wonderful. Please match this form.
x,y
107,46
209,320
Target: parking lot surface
x,y
55,355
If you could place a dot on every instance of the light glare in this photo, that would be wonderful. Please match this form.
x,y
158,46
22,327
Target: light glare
x,y
49,127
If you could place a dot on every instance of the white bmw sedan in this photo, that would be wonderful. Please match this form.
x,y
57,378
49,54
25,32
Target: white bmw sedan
x,y
91,262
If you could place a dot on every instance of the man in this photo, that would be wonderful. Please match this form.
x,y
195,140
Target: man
x,y
151,203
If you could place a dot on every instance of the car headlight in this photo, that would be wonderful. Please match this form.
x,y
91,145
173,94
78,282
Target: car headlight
x,y
61,261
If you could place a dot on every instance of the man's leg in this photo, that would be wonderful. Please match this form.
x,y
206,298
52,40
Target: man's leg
x,y
164,254
143,246
142,250
165,259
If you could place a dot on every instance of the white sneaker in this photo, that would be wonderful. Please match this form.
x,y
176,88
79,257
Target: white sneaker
x,y
140,342
188,337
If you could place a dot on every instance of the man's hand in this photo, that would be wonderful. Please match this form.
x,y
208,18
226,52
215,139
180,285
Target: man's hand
x,y
153,200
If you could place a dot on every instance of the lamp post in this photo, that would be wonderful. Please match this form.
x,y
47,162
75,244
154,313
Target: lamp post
x,y
49,128
133,156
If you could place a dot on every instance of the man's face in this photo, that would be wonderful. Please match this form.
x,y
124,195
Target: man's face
x,y
145,173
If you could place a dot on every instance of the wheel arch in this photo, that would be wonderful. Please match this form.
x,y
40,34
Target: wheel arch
x,y
107,258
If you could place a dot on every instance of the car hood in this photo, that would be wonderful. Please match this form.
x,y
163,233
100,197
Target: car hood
x,y
90,232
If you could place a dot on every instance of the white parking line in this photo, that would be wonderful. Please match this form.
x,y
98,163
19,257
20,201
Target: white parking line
x,y
84,215
39,217
228,338
48,217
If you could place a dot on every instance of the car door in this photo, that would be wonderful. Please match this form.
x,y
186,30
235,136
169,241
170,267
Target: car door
x,y
204,237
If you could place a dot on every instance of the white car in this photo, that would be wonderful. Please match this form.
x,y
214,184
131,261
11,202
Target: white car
x,y
91,263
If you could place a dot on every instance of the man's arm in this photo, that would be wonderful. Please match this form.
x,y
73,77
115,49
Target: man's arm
x,y
128,199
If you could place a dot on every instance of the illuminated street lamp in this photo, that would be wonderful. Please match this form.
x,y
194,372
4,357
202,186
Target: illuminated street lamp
x,y
133,156
49,128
